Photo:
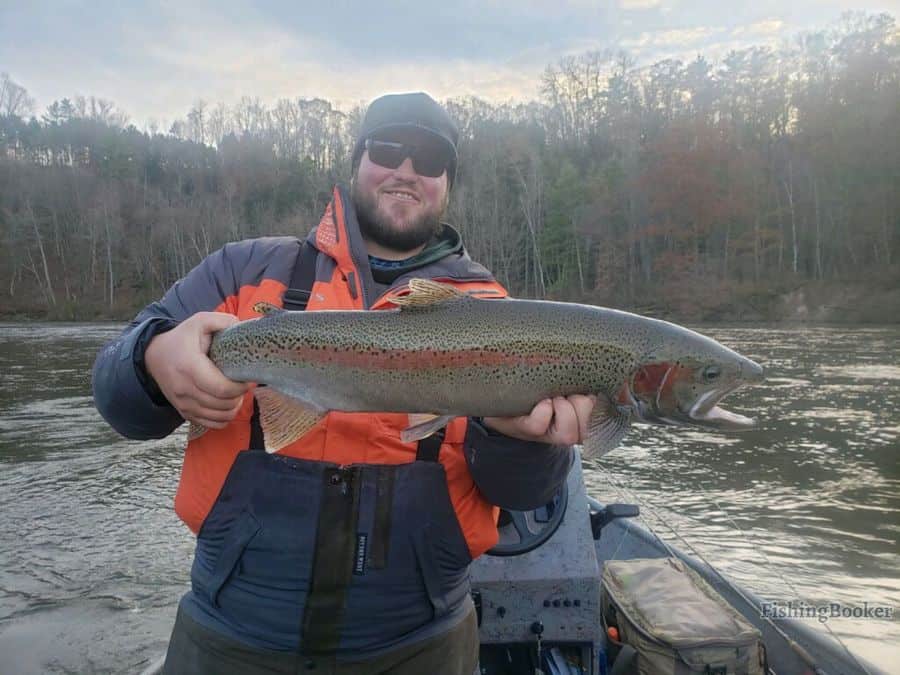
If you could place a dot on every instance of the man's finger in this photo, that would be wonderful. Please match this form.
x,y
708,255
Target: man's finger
x,y
209,323
537,422
584,406
213,322
203,400
205,422
564,429
210,380
193,411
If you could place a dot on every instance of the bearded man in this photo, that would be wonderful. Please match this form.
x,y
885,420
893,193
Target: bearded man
x,y
348,550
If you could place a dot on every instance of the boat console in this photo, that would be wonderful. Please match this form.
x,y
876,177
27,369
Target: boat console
x,y
541,596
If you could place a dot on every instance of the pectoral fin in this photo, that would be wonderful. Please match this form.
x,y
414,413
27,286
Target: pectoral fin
x,y
283,418
423,425
608,425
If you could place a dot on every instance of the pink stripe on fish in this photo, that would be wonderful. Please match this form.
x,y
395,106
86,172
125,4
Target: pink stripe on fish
x,y
425,359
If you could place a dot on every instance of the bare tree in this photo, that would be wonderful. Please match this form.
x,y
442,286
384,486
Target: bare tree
x,y
14,99
197,123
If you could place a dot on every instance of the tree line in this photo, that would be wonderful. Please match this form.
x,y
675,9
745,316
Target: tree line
x,y
679,187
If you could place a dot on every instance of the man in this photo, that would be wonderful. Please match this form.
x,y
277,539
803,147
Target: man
x,y
347,551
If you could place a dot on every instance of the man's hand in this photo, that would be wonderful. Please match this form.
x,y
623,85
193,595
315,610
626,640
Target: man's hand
x,y
560,421
177,360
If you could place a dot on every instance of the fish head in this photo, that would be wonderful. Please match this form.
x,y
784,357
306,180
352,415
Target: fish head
x,y
687,387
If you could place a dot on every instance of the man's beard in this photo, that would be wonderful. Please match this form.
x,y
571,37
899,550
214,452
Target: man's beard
x,y
378,226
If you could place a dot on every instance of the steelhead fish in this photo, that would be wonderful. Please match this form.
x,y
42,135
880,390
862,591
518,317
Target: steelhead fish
x,y
445,354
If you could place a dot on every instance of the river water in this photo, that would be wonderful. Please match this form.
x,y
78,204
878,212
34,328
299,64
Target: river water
x,y
806,507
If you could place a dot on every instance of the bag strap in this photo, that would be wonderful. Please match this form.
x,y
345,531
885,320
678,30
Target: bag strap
x,y
626,661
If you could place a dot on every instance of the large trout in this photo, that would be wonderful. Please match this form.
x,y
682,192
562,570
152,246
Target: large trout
x,y
445,354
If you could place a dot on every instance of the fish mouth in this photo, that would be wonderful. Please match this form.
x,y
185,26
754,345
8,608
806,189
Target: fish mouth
x,y
706,412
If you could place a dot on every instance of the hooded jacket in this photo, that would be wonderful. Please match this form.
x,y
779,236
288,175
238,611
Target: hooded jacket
x,y
482,470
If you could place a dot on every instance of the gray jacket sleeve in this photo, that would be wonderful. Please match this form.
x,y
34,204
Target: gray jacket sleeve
x,y
513,474
124,394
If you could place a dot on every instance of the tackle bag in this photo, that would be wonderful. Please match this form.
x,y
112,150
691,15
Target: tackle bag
x,y
675,622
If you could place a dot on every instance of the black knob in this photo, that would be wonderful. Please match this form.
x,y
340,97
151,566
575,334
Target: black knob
x,y
501,612
537,628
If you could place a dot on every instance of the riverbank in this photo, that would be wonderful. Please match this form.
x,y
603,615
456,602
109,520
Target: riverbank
x,y
851,303
816,303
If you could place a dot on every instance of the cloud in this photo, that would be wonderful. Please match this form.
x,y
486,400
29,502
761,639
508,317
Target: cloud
x,y
713,42
155,58
630,5
681,37
760,28
221,61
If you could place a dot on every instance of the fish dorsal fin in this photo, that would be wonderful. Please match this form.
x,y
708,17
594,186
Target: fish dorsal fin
x,y
283,418
607,426
424,293
266,308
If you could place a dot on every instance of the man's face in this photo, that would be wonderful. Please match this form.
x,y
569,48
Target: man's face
x,y
399,209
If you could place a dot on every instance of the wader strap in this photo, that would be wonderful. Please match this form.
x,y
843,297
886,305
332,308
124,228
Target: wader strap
x,y
304,276
332,562
427,451
381,527
256,434
430,447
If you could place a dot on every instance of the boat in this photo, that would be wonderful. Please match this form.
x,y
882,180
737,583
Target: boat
x,y
537,594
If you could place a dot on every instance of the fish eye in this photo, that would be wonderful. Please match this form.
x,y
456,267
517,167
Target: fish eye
x,y
711,373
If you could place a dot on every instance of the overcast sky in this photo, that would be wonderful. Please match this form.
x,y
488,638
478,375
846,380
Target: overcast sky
x,y
154,59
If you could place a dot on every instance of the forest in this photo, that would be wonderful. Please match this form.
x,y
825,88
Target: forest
x,y
762,186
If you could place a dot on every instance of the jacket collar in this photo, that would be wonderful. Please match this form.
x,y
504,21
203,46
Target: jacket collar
x,y
338,236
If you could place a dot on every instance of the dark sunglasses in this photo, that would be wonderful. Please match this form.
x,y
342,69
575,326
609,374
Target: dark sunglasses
x,y
431,160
